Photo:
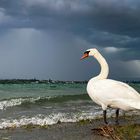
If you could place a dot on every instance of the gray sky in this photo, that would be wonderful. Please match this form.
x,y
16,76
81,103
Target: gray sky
x,y
45,38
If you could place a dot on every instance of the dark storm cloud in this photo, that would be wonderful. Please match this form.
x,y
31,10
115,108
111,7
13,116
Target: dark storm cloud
x,y
110,15
102,22
70,27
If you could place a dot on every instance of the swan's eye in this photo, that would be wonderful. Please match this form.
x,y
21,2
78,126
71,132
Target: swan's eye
x,y
87,52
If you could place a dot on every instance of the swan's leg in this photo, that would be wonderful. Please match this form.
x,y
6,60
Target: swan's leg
x,y
117,116
104,113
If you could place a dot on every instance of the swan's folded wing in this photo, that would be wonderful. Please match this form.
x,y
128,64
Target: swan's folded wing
x,y
125,104
115,90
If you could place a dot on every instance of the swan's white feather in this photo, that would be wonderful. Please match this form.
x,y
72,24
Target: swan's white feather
x,y
112,93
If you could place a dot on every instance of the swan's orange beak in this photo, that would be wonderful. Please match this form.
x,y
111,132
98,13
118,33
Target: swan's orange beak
x,y
84,56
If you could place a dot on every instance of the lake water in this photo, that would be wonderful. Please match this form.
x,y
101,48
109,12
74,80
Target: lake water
x,y
46,104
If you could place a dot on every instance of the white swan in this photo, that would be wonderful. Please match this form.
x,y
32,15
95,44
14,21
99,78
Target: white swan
x,y
110,93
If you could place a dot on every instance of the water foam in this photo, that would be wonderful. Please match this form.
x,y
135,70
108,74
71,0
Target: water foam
x,y
15,102
19,101
45,120
42,120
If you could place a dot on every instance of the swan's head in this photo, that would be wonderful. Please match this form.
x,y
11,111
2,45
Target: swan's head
x,y
90,52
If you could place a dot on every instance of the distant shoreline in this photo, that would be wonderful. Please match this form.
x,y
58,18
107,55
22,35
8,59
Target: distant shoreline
x,y
49,81
31,81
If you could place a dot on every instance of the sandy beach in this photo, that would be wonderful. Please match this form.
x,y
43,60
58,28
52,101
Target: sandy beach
x,y
63,131
70,131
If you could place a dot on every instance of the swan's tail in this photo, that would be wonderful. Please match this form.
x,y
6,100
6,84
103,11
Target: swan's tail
x,y
126,104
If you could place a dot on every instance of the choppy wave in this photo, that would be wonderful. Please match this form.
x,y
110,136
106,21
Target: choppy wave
x,y
15,102
42,120
19,101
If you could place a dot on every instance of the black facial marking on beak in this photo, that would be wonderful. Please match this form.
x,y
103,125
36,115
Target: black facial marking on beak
x,y
86,52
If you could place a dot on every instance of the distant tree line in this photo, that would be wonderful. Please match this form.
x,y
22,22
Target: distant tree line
x,y
29,81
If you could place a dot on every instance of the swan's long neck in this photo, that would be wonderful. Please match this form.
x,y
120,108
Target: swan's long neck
x,y
104,67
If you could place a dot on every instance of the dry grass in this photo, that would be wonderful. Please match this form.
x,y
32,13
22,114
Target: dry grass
x,y
125,132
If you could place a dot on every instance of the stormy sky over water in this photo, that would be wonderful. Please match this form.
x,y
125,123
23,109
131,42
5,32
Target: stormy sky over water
x,y
45,38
